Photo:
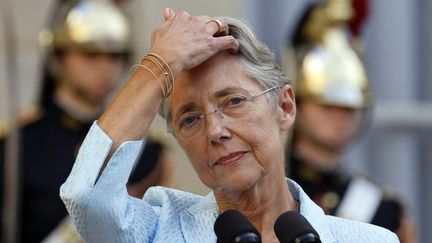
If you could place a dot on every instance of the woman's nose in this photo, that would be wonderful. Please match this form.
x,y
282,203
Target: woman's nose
x,y
215,125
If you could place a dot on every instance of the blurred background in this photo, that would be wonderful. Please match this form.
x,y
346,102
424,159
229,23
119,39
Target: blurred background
x,y
397,37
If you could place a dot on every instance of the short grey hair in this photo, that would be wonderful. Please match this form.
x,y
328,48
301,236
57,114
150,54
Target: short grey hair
x,y
259,61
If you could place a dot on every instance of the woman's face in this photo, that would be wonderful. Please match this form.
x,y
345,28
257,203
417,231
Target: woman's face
x,y
232,152
91,76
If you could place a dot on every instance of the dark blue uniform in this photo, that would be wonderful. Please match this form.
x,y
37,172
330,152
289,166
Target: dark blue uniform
x,y
328,190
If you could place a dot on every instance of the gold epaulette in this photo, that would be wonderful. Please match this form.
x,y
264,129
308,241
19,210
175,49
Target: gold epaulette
x,y
4,128
24,117
28,115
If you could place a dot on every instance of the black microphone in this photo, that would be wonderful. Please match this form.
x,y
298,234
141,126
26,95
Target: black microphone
x,y
292,227
233,227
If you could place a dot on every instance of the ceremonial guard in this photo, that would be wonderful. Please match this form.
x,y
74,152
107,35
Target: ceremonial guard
x,y
88,46
334,99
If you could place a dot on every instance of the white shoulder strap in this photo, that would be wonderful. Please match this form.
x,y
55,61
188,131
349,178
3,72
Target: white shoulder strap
x,y
361,200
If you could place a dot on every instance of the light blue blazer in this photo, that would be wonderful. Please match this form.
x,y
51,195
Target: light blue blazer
x,y
103,211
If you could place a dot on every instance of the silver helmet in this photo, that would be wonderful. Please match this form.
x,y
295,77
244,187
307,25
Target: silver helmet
x,y
89,25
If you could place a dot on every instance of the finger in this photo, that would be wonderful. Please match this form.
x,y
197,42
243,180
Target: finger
x,y
182,14
216,27
168,14
224,30
227,43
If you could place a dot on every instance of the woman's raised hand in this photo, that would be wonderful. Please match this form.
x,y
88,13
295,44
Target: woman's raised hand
x,y
185,41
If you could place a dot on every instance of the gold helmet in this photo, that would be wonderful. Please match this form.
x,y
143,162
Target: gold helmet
x,y
90,25
329,70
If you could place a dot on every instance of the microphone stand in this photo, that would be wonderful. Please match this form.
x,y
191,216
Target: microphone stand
x,y
11,177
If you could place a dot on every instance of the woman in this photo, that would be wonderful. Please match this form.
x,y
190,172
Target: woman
x,y
229,110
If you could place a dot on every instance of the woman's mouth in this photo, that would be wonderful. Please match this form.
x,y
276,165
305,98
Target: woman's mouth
x,y
230,158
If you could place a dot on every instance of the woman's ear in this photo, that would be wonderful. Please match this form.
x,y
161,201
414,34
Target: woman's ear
x,y
286,107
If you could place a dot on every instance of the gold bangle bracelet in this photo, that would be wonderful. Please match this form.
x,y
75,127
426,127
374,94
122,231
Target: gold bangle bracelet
x,y
166,65
157,78
161,68
164,62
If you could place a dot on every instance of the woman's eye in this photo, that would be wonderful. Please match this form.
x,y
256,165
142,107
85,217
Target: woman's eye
x,y
189,120
233,101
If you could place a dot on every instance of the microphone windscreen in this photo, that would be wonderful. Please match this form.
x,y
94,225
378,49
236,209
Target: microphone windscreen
x,y
231,224
293,227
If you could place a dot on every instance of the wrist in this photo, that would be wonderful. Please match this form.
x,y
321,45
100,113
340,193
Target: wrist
x,y
161,70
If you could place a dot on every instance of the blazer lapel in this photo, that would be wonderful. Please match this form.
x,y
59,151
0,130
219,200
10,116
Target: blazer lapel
x,y
197,222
